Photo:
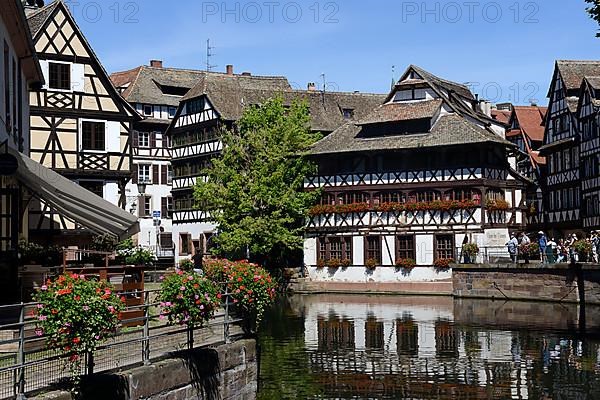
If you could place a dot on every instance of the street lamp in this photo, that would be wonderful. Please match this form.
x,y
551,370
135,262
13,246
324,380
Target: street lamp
x,y
142,187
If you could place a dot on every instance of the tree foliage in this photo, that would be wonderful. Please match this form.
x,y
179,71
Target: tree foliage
x,y
594,11
254,189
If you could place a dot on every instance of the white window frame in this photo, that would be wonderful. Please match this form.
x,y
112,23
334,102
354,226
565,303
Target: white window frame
x,y
151,110
145,143
149,177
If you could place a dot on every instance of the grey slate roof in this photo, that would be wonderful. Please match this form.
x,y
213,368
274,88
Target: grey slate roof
x,y
37,18
402,111
451,129
573,71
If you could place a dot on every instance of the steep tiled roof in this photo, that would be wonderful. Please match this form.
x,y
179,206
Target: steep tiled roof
x,y
573,71
146,85
447,85
449,130
501,115
400,111
531,121
37,18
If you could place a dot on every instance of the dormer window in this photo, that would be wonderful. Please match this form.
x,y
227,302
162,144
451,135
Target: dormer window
x,y
147,111
348,113
410,94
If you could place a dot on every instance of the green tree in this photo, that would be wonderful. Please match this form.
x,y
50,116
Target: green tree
x,y
594,11
254,189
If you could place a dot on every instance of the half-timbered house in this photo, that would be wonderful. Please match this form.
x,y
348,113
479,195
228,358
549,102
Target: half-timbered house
x,y
155,92
588,117
526,131
561,147
415,179
218,101
80,125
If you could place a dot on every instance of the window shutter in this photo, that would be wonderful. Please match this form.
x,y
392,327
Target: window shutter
x,y
135,138
141,206
163,207
134,174
152,140
163,174
155,173
77,78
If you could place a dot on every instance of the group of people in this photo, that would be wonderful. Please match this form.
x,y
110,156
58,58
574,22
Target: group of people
x,y
551,251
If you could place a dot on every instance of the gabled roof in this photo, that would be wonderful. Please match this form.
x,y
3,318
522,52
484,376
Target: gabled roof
x,y
573,71
146,84
38,20
502,116
229,94
530,121
591,86
449,130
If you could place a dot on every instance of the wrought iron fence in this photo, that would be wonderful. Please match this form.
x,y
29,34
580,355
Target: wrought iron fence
x,y
27,365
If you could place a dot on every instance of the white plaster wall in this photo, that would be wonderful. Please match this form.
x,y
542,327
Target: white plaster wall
x,y
195,229
424,249
111,192
360,274
310,251
388,250
358,250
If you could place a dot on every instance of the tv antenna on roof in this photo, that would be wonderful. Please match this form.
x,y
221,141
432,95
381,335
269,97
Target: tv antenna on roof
x,y
209,55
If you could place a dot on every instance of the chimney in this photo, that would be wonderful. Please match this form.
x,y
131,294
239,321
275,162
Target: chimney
x,y
156,63
229,69
312,87
246,74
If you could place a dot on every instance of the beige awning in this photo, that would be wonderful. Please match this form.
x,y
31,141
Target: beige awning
x,y
73,201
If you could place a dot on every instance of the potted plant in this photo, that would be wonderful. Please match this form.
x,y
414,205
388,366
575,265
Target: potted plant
x,y
334,263
186,265
442,264
76,314
405,264
371,264
583,248
346,262
470,251
320,263
186,298
528,251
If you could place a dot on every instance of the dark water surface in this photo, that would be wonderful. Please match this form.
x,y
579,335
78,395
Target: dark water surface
x,y
394,347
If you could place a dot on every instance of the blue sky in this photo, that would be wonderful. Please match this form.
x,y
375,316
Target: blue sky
x,y
505,48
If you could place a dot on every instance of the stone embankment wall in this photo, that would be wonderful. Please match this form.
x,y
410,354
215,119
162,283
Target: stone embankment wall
x,y
227,372
559,282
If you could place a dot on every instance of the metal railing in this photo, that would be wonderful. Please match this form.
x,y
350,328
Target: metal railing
x,y
486,255
28,365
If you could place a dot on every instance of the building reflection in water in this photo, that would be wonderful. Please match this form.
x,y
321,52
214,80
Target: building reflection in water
x,y
388,348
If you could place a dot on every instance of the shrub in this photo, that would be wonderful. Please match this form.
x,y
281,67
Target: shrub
x,y
582,247
529,250
186,298
371,264
405,263
252,290
186,265
443,263
76,315
470,249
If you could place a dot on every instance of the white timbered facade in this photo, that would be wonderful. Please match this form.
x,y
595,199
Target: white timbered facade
x,y
570,133
80,125
217,101
588,116
155,92
422,173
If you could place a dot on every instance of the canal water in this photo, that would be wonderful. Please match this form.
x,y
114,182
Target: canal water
x,y
395,347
